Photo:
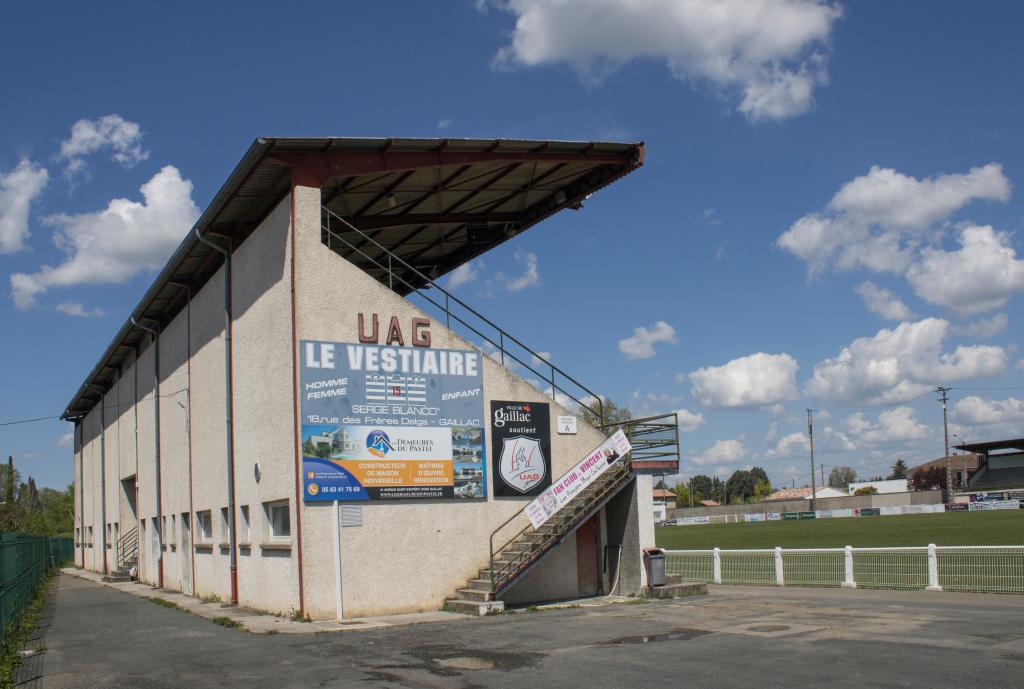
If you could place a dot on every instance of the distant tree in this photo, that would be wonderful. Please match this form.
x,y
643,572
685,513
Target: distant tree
x,y
762,490
899,470
661,484
841,477
876,478
682,495
613,414
928,479
866,490
703,487
740,486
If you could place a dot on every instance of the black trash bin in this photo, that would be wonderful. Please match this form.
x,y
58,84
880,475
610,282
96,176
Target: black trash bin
x,y
654,561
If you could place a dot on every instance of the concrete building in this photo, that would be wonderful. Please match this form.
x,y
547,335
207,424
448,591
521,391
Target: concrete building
x,y
297,417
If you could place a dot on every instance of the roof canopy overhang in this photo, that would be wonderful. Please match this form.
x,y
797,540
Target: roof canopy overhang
x,y
994,445
436,203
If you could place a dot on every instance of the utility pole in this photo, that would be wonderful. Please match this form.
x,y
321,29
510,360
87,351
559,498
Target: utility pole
x,y
945,436
810,437
821,470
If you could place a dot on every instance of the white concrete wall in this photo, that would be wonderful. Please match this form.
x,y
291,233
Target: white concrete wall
x,y
263,404
408,555
423,550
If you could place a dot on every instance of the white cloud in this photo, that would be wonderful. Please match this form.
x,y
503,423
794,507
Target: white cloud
x,y
768,54
877,220
978,277
835,441
445,123
77,309
1020,365
641,344
751,381
983,327
894,426
18,188
789,446
65,440
466,273
899,364
722,451
976,411
112,133
884,302
530,276
687,421
116,243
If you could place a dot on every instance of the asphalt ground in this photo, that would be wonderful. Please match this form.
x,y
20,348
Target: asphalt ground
x,y
734,637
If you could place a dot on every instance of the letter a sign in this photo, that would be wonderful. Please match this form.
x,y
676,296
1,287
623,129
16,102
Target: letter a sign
x,y
522,463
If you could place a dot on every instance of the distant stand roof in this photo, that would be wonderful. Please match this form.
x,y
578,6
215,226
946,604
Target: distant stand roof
x,y
988,447
436,203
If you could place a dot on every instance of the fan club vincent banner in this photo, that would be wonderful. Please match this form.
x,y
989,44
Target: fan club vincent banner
x,y
383,422
520,447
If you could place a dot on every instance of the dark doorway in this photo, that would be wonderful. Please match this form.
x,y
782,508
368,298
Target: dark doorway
x,y
586,558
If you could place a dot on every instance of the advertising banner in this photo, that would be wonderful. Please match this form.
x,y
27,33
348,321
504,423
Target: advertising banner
x,y
754,517
774,516
559,493
382,422
520,447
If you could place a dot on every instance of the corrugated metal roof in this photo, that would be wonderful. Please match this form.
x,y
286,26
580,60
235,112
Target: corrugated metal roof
x,y
437,203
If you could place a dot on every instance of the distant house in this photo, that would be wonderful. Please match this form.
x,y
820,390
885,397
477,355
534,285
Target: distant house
x,y
962,465
710,503
804,493
666,497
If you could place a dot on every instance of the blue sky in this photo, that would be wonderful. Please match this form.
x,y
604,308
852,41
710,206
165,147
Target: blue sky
x,y
829,215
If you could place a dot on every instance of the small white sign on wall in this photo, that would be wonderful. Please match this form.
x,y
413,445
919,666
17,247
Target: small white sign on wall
x,y
567,425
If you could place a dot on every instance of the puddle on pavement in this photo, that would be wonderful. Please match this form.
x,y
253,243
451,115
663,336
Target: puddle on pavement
x,y
466,663
769,628
674,635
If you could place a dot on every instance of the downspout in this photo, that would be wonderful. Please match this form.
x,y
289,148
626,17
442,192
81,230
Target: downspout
x,y
80,429
103,480
229,416
156,442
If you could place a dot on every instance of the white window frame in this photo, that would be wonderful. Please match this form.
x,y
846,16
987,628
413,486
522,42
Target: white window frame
x,y
273,510
203,526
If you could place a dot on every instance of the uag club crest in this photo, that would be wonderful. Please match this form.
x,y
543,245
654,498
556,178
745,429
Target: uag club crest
x,y
522,463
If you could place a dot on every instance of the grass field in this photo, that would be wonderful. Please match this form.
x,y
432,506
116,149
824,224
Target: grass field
x,y
951,528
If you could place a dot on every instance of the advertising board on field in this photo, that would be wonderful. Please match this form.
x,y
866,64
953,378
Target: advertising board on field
x,y
390,422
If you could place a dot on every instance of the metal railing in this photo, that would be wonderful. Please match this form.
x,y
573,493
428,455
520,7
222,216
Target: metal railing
x,y
128,548
24,561
651,438
981,569
518,554
394,272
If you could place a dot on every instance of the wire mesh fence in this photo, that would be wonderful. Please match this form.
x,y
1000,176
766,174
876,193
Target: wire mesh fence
x,y
24,560
982,569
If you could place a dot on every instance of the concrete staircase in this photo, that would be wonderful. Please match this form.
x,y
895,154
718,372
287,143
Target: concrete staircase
x,y
480,594
121,574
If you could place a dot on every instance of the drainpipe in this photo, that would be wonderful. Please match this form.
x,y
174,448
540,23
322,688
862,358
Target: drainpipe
x,y
156,441
229,417
103,480
80,430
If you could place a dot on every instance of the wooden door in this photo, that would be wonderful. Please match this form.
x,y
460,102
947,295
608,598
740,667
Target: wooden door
x,y
586,558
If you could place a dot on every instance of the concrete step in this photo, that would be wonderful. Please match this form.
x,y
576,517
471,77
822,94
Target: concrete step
x,y
680,590
481,583
476,594
475,608
115,578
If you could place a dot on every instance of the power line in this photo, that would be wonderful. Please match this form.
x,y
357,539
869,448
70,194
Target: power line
x,y
40,418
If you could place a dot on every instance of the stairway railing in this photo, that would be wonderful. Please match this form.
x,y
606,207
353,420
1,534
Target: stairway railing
x,y
563,523
128,547
505,348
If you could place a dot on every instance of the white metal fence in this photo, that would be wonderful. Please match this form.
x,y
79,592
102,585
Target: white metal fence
x,y
985,569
